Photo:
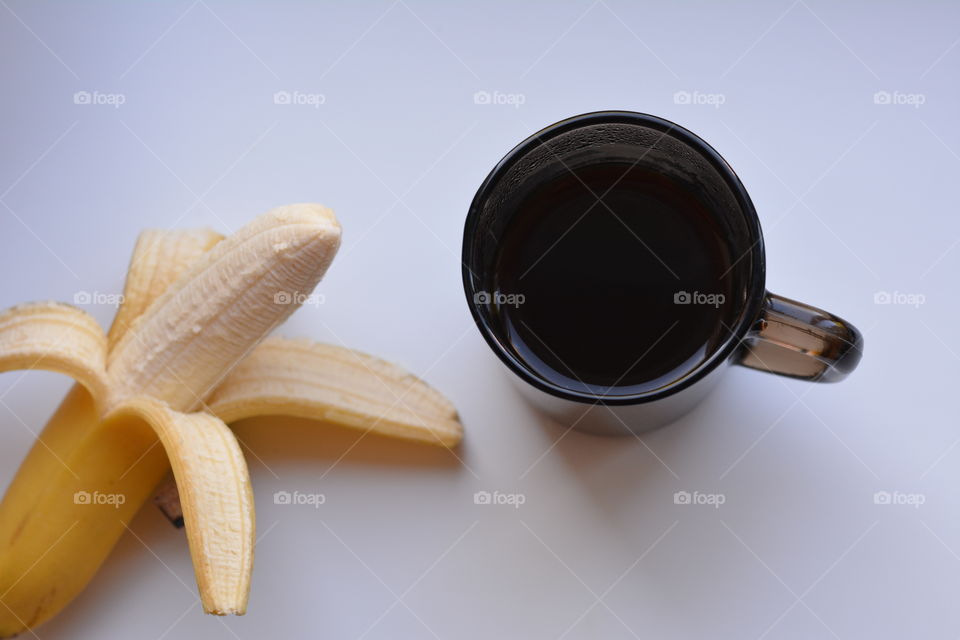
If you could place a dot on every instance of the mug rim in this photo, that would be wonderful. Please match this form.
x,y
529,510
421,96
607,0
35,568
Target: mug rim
x,y
757,277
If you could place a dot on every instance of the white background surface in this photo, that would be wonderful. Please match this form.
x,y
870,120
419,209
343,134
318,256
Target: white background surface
x,y
855,198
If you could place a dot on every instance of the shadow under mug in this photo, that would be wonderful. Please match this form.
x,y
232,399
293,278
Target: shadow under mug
x,y
771,333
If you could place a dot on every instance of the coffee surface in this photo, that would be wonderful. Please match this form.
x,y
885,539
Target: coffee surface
x,y
613,279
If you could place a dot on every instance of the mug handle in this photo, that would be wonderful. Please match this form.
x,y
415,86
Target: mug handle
x,y
799,341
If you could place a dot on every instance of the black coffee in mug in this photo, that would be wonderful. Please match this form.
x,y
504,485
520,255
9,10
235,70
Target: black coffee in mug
x,y
614,262
613,275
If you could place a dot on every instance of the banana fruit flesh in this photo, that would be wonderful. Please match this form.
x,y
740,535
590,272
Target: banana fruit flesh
x,y
159,259
181,361
228,301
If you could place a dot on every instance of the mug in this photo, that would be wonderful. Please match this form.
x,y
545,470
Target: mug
x,y
767,332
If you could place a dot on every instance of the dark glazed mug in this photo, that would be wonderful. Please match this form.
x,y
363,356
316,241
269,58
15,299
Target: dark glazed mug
x,y
769,332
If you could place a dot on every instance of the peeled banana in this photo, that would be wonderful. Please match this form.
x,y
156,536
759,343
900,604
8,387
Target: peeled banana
x,y
182,359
